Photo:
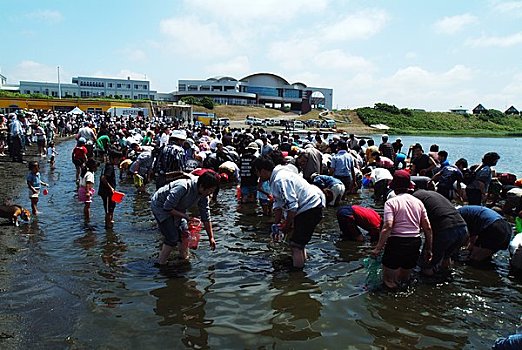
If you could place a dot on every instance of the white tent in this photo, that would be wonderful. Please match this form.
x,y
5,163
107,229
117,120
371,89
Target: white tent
x,y
76,111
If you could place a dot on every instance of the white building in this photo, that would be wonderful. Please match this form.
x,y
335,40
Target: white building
x,y
257,89
86,87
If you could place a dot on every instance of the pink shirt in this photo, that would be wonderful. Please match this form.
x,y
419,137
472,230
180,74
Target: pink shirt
x,y
406,213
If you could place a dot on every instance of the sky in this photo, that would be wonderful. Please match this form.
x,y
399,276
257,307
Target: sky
x,y
432,55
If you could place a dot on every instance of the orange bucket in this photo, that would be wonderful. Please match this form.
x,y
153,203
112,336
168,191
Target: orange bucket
x,y
117,196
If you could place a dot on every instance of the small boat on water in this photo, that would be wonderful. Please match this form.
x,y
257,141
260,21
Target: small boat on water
x,y
380,126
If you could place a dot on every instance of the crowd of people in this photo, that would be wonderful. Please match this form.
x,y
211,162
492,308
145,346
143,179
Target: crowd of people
x,y
293,178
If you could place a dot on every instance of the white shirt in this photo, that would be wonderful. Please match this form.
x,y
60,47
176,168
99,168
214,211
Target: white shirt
x,y
379,174
293,193
89,177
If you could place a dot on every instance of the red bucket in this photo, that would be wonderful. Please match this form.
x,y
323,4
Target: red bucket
x,y
194,228
117,196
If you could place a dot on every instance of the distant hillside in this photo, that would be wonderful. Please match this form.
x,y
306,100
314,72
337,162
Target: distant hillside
x,y
401,121
407,121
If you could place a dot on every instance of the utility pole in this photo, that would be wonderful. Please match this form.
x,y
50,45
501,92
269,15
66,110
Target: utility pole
x,y
59,86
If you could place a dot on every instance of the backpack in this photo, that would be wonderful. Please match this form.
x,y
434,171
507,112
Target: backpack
x,y
469,175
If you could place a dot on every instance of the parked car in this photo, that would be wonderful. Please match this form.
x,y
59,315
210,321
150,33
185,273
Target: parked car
x,y
221,122
313,123
257,122
328,123
299,124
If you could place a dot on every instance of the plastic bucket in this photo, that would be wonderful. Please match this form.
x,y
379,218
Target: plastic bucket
x,y
117,196
45,191
194,228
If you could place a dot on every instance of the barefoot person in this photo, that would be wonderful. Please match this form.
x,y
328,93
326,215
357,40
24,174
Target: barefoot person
x,y
170,203
302,202
404,216
34,182
108,186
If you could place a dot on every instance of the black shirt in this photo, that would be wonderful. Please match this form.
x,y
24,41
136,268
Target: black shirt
x,y
110,176
441,213
422,162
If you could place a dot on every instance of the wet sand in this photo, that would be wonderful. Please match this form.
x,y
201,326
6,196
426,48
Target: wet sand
x,y
12,191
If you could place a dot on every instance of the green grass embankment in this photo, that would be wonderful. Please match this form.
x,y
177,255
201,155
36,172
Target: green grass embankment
x,y
408,121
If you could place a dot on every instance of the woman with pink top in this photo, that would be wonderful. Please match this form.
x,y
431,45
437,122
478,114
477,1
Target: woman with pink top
x,y
404,216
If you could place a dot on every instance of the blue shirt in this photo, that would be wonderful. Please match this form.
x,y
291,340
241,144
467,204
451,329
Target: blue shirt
x,y
325,181
478,218
34,179
342,164
16,128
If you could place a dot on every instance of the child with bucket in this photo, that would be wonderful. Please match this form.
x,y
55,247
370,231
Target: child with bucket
x,y
107,189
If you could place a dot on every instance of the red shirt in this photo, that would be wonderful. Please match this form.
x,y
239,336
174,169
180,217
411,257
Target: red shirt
x,y
80,153
367,218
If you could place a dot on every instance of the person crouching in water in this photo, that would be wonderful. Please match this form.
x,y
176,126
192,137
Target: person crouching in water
x,y
169,205
404,216
108,186
302,202
86,189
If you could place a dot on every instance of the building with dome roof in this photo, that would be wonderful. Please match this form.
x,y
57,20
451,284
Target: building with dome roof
x,y
265,89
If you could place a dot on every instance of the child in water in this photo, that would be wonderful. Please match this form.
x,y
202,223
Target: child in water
x,y
51,153
108,186
34,182
86,189
265,197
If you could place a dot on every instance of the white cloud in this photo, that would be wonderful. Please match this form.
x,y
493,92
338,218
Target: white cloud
x,y
122,74
34,71
48,16
359,25
237,67
292,54
511,8
256,12
337,59
496,41
454,24
193,36
412,87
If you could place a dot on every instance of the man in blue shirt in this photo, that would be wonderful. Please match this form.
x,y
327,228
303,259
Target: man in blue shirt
x,y
332,188
16,134
489,232
342,167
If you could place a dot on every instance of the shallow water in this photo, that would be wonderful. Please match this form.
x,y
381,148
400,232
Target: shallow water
x,y
78,286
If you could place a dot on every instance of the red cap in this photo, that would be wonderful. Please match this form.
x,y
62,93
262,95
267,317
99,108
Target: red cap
x,y
401,179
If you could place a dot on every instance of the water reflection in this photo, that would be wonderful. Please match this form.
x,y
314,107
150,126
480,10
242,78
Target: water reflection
x,y
295,310
180,302
113,249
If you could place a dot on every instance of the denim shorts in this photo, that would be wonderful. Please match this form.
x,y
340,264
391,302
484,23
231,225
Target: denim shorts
x,y
170,230
446,243
247,191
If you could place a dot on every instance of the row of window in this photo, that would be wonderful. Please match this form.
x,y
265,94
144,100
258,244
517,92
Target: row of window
x,y
233,101
110,85
183,87
88,94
